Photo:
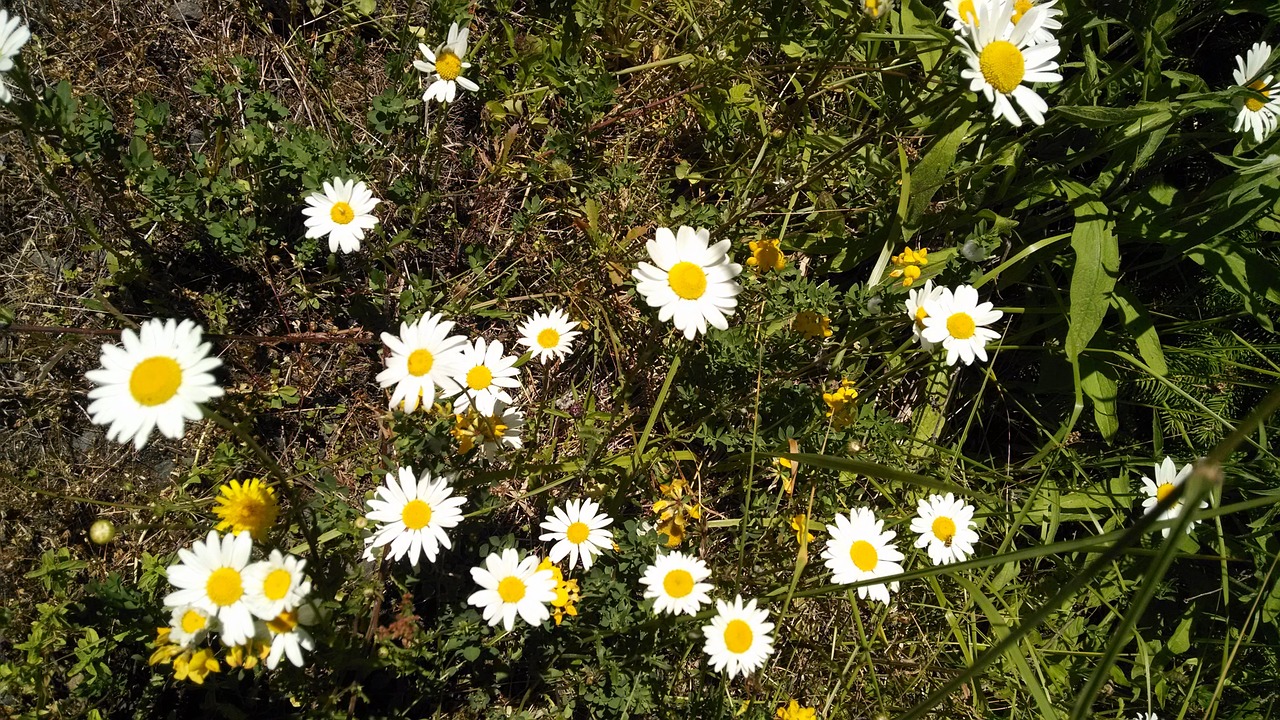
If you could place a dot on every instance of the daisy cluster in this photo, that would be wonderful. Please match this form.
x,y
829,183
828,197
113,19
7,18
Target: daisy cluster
x,y
258,609
1008,45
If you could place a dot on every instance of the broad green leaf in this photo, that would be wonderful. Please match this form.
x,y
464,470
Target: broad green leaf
x,y
1098,381
1180,642
1099,117
1096,267
1137,322
930,174
1243,272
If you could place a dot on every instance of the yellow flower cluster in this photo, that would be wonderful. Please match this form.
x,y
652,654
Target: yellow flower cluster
x,y
188,664
567,593
812,325
908,265
766,256
840,404
675,510
471,428
795,712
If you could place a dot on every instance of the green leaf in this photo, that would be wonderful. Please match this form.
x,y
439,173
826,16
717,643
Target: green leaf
x,y
1243,272
1138,323
1098,381
1099,117
1097,265
930,174
1180,642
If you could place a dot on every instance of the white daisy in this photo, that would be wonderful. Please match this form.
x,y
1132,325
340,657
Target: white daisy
x,y
412,515
876,8
189,624
916,312
211,577
1146,716
738,638
860,549
674,581
422,358
343,212
13,35
1002,56
157,380
945,525
579,531
958,321
483,377
550,336
491,434
447,64
963,14
509,585
692,282
1256,116
276,584
288,636
1168,478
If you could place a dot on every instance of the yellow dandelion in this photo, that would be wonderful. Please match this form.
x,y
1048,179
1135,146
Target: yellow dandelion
x,y
795,712
766,256
812,325
800,524
247,507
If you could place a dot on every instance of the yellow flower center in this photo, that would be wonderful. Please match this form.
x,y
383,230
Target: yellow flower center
x,y
920,316
448,65
192,621
283,623
479,377
1020,8
1002,65
155,380
864,555
738,636
678,583
511,589
687,280
416,514
420,362
960,326
1253,103
342,213
944,528
548,338
967,12
224,586
1164,491
577,533
277,584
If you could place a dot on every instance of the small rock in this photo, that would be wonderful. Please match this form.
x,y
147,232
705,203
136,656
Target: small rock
x,y
186,10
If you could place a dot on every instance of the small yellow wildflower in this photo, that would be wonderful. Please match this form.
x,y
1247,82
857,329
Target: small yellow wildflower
x,y
675,511
567,593
795,712
251,506
812,325
766,256
876,8
840,404
195,666
249,654
909,264
472,428
800,523
165,651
